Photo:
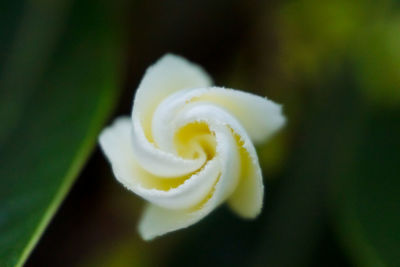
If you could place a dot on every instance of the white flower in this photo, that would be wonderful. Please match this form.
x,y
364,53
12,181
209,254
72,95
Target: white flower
x,y
188,146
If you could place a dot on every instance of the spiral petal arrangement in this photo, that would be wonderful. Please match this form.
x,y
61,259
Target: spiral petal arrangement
x,y
188,146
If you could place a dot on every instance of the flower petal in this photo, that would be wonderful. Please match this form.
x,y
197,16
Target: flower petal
x,y
157,221
159,162
181,192
169,74
188,194
247,200
259,116
116,143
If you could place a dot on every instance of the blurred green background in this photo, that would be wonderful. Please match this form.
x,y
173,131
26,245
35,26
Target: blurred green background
x,y
68,67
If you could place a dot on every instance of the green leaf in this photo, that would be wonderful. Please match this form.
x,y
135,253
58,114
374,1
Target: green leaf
x,y
367,189
58,84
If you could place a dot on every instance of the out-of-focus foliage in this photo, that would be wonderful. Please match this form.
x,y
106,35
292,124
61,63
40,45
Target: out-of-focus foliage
x,y
332,176
367,188
314,32
377,60
58,83
354,47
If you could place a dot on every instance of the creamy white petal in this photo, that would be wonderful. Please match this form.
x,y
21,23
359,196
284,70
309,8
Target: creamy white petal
x,y
169,74
188,191
188,194
160,162
116,144
247,200
259,116
157,221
